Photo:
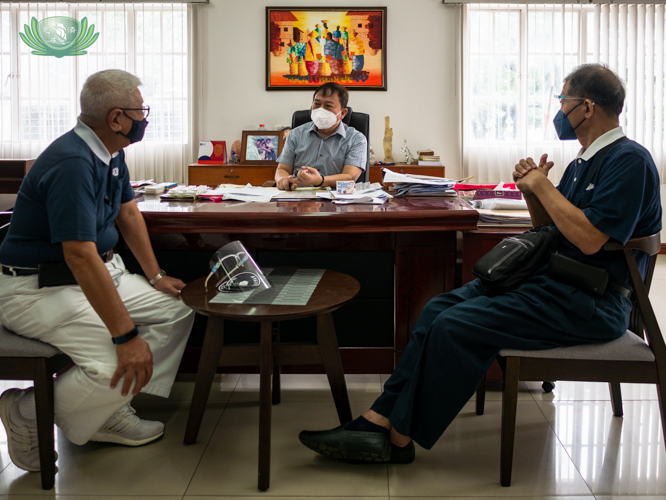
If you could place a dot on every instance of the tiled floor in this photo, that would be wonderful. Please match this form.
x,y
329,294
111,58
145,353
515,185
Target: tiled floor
x,y
568,446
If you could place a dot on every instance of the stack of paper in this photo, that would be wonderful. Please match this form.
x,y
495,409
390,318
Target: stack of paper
x,y
371,194
504,218
419,185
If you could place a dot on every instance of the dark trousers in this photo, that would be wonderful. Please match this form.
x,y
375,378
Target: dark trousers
x,y
460,333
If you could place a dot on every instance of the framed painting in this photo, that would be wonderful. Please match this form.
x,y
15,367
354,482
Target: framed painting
x,y
261,146
307,47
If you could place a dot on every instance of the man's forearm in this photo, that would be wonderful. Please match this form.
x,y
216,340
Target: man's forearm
x,y
94,279
330,180
133,229
281,173
538,214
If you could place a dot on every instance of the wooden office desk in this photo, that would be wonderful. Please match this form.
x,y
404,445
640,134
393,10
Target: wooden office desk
x,y
420,233
236,173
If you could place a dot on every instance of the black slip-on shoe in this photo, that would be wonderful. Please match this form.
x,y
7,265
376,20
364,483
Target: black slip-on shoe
x,y
404,455
356,446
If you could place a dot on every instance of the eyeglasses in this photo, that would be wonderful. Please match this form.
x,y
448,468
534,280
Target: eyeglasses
x,y
562,97
145,109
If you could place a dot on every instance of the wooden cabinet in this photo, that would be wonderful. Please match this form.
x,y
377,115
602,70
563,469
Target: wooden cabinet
x,y
402,168
12,173
231,173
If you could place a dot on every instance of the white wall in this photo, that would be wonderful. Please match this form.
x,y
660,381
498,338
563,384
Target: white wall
x,y
421,100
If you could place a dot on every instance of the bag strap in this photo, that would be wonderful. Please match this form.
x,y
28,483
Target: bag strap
x,y
598,156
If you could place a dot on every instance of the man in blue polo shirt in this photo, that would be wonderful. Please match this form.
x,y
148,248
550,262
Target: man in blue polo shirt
x,y
321,152
62,284
460,333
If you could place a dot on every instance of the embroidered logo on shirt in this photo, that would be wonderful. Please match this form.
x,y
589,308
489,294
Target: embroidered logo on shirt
x,y
590,187
115,172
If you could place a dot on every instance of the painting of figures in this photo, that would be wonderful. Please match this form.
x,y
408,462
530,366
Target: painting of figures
x,y
307,47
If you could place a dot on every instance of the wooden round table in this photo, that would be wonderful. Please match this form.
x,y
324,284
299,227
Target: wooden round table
x,y
332,292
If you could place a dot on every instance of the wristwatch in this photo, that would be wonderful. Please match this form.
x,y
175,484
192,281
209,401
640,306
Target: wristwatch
x,y
159,276
323,178
121,339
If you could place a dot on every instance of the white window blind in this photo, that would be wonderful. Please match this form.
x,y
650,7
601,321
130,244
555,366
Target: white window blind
x,y
39,95
515,57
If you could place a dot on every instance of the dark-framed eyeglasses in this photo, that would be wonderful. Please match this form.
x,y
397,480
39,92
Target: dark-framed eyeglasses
x,y
145,109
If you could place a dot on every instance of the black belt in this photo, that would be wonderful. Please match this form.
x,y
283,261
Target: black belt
x,y
29,271
615,287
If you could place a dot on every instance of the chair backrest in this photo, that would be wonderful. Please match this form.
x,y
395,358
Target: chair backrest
x,y
643,319
360,121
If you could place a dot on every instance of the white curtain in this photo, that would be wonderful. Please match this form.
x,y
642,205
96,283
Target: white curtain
x,y
39,94
515,57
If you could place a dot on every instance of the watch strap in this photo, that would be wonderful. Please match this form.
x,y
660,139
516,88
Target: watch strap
x,y
121,339
158,277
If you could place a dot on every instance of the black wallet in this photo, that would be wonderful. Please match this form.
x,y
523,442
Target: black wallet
x,y
54,274
572,272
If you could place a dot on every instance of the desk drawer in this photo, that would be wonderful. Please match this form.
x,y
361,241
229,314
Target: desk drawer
x,y
213,175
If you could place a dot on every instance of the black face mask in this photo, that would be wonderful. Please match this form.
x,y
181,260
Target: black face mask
x,y
137,131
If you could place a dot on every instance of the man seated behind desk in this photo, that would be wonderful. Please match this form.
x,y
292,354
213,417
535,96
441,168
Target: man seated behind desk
x,y
75,192
325,150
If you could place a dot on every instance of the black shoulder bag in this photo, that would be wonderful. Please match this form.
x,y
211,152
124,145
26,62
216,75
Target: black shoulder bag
x,y
516,258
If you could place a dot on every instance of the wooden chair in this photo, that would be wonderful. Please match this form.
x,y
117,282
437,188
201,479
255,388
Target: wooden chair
x,y
26,359
639,356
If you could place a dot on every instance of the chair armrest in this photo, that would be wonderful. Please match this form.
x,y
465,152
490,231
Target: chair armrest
x,y
651,245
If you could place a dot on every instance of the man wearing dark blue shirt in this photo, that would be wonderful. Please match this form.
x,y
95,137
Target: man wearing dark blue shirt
x,y
460,333
62,284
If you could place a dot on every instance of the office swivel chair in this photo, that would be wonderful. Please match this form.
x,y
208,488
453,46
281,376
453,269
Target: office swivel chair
x,y
360,121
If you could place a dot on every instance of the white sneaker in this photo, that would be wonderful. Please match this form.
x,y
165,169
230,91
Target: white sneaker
x,y
21,432
124,427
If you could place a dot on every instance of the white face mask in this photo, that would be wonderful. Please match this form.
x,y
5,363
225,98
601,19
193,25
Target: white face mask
x,y
323,118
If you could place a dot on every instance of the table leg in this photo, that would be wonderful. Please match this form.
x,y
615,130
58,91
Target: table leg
x,y
265,405
276,367
210,359
330,355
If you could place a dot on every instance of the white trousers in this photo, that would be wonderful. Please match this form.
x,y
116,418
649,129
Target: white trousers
x,y
63,317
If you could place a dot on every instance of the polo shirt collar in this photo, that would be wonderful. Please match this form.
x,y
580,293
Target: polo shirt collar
x,y
601,142
94,142
342,129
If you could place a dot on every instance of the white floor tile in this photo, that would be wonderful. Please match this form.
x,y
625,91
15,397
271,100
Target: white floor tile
x,y
229,466
310,388
591,391
465,461
615,455
162,468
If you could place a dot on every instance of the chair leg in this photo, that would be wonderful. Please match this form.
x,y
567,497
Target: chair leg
x,y
276,368
481,395
661,395
509,407
616,398
330,355
265,406
43,378
210,359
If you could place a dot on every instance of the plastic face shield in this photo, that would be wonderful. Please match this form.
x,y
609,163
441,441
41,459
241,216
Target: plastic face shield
x,y
235,270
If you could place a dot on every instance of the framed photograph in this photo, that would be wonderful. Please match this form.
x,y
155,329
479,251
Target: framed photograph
x,y
261,146
307,47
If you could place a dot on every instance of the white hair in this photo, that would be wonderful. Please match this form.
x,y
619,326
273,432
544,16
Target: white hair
x,y
106,90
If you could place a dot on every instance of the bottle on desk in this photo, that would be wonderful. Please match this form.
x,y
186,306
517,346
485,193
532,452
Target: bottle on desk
x,y
262,127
